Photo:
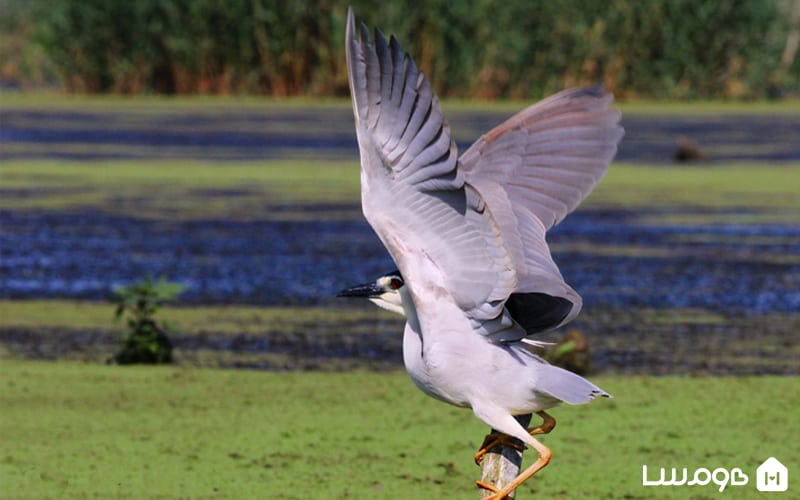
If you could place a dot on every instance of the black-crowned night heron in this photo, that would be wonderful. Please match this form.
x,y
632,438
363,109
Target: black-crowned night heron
x,y
468,235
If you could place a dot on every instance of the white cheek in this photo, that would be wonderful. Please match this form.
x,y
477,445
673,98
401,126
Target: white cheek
x,y
390,302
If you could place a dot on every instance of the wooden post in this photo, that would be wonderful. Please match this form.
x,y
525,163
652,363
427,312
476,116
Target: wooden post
x,y
502,464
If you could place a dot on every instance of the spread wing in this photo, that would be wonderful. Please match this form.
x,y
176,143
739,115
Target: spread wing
x,y
532,171
435,226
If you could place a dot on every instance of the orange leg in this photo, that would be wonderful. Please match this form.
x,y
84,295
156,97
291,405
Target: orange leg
x,y
548,423
541,462
497,438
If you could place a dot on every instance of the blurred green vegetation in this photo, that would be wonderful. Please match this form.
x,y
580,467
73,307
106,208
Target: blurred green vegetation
x,y
290,189
74,430
220,320
174,190
512,49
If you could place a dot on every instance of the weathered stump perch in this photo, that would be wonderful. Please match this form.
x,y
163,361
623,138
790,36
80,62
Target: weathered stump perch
x,y
502,464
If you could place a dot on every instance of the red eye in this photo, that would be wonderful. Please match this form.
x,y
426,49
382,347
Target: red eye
x,y
395,284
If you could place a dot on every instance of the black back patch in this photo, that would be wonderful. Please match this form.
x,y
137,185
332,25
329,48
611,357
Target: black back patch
x,y
537,312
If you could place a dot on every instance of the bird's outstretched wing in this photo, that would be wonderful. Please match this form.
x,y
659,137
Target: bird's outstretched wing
x,y
532,171
414,196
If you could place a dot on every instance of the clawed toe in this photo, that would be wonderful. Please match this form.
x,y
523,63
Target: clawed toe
x,y
497,439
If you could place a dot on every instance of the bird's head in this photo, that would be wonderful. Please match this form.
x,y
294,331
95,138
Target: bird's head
x,y
383,292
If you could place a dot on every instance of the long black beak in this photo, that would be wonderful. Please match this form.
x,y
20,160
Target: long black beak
x,y
367,290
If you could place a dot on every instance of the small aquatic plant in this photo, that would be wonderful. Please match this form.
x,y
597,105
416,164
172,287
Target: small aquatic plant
x,y
146,340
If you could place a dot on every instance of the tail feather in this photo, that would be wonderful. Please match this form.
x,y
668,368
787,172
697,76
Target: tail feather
x,y
568,387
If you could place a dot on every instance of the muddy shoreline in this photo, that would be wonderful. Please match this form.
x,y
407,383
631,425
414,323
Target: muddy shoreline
x,y
621,342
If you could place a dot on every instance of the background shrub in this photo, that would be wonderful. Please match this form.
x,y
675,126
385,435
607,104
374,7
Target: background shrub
x,y
146,340
514,48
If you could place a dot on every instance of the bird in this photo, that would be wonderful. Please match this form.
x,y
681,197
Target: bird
x,y
475,278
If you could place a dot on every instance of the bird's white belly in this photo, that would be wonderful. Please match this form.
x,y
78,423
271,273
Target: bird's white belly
x,y
428,376
462,368
458,375
448,360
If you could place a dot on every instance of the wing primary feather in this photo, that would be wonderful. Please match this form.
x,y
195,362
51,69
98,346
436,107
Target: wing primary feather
x,y
398,88
422,107
385,120
398,69
418,115
373,77
431,125
355,66
408,99
436,149
385,60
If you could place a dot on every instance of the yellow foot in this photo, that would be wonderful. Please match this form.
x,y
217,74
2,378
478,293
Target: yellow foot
x,y
486,486
500,494
496,439
496,496
492,440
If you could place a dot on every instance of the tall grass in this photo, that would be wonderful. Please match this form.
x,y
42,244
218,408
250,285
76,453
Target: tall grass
x,y
515,48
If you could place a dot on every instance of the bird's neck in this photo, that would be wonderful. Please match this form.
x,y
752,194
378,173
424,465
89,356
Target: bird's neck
x,y
409,309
